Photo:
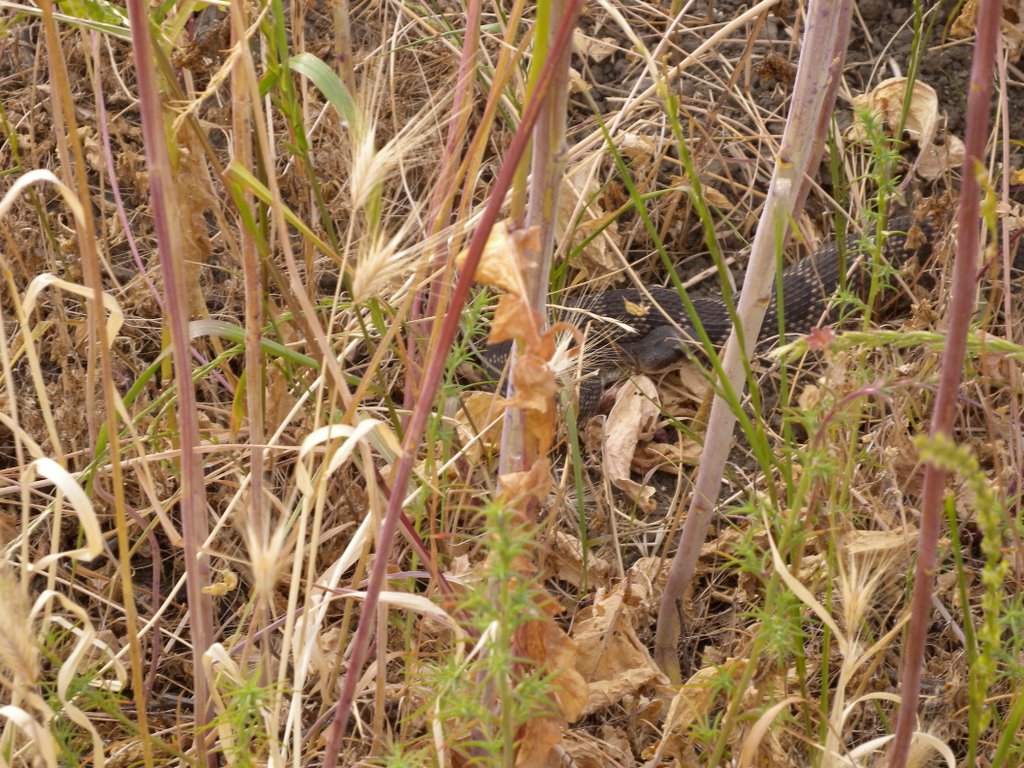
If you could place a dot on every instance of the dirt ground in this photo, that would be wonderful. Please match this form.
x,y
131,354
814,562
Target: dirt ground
x,y
728,105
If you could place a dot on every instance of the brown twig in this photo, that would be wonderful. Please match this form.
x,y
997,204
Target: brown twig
x,y
813,95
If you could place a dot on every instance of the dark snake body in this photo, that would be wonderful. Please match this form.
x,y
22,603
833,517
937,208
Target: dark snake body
x,y
628,331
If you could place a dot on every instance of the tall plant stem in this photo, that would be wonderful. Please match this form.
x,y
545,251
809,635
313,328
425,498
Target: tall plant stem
x,y
961,307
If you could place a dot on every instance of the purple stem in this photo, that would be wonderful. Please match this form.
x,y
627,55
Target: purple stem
x,y
961,307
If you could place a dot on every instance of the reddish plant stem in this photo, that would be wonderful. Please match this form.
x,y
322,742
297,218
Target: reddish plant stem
x,y
193,503
424,403
961,307
444,192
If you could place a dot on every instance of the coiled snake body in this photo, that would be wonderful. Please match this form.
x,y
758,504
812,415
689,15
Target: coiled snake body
x,y
629,331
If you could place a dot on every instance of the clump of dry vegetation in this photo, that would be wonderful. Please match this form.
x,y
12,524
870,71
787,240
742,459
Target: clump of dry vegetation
x,y
258,508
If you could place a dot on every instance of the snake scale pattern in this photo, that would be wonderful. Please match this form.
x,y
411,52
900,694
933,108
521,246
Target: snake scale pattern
x,y
629,332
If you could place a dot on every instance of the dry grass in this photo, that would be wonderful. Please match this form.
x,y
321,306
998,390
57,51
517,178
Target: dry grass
x,y
314,231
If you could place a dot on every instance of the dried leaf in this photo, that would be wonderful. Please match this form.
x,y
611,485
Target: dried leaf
x,y
667,457
967,22
571,689
580,213
553,650
938,160
462,571
540,426
535,482
754,738
611,747
480,411
693,382
280,398
809,397
693,701
637,146
565,554
683,390
539,738
611,657
223,587
514,319
636,310
577,83
594,49
712,195
966,25
535,389
505,257
885,103
632,419
533,377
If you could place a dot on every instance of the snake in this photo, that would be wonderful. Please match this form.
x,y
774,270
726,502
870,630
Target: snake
x,y
650,330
